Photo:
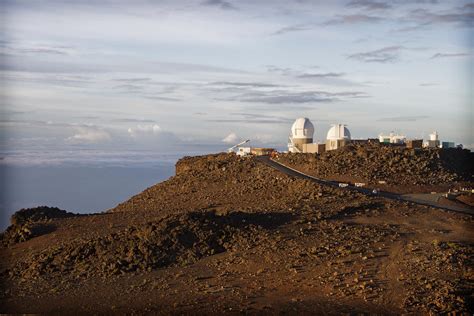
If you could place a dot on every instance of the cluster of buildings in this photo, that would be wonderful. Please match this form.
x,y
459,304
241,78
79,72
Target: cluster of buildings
x,y
432,142
302,131
301,135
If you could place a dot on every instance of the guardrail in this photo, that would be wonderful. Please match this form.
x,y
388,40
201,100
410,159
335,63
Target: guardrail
x,y
367,191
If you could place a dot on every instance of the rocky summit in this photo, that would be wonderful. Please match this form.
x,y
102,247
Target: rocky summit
x,y
230,234
400,169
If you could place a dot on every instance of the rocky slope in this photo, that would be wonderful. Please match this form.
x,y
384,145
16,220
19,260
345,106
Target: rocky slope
x,y
229,234
407,169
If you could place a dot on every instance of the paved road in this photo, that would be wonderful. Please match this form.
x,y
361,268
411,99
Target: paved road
x,y
295,173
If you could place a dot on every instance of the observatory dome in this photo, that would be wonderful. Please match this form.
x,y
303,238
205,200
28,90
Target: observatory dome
x,y
302,128
338,131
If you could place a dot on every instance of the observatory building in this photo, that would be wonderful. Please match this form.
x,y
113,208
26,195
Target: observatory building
x,y
301,134
337,137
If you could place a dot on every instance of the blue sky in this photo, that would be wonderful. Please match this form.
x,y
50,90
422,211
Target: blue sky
x,y
134,79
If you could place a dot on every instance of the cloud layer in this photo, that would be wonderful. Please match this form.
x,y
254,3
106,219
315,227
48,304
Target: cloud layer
x,y
382,55
89,135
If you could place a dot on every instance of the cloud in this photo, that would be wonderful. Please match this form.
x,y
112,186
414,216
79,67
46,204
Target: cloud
x,y
89,135
225,5
254,118
338,19
281,71
403,118
294,28
382,55
153,97
87,117
96,65
418,1
468,6
461,17
291,97
232,138
410,28
131,120
244,84
322,75
12,48
353,19
152,136
445,55
139,130
132,79
428,84
369,5
129,87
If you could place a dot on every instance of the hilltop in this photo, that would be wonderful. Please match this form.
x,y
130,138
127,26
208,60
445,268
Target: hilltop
x,y
403,170
230,234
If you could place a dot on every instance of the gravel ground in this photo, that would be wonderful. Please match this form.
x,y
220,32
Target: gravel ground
x,y
404,170
231,235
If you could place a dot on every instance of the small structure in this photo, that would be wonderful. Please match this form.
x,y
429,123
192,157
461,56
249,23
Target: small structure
x,y
337,137
433,142
243,151
231,149
414,143
392,138
260,151
314,148
302,132
445,145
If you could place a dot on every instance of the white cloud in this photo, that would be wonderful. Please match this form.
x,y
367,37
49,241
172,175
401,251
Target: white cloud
x,y
89,135
152,129
231,138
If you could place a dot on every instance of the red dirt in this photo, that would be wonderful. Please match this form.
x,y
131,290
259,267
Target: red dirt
x,y
230,235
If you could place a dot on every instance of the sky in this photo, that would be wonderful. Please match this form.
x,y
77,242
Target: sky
x,y
130,82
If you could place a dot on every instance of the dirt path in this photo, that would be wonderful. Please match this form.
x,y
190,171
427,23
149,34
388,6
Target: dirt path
x,y
390,273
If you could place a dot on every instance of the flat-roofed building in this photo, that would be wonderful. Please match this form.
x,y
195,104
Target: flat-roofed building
x,y
314,148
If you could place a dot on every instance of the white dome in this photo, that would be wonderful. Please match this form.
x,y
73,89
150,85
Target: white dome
x,y
338,131
302,128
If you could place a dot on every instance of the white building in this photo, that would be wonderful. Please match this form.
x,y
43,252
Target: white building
x,y
392,138
337,136
434,141
243,151
301,133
